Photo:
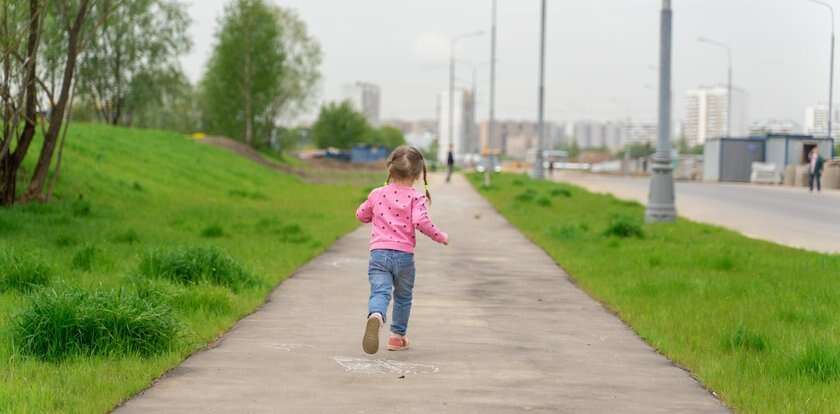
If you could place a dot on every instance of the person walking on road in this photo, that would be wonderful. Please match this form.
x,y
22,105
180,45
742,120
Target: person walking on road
x,y
815,168
450,164
395,211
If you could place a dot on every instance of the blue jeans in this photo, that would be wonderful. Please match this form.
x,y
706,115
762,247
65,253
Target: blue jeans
x,y
391,270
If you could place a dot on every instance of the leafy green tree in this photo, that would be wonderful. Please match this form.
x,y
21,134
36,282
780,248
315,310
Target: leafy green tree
x,y
132,58
264,67
339,126
386,136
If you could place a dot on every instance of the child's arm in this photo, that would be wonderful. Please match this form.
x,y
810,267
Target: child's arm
x,y
365,211
421,221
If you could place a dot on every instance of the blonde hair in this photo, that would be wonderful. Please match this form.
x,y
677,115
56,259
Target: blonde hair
x,y
407,163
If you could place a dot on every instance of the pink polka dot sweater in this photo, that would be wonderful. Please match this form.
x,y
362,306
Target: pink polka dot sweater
x,y
395,212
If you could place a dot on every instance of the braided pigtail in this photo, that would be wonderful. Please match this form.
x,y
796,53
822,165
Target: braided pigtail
x,y
426,185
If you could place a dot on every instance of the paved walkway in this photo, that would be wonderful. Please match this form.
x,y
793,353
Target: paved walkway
x,y
785,215
497,327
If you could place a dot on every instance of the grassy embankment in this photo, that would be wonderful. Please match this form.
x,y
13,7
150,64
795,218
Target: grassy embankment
x,y
757,322
155,246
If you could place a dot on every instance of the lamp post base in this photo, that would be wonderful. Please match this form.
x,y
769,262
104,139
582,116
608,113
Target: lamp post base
x,y
661,207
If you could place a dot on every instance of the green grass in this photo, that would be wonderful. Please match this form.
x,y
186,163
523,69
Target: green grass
x,y
757,322
127,241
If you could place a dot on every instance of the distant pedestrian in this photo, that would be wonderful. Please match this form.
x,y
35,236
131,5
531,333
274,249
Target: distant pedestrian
x,y
395,211
450,164
551,168
815,169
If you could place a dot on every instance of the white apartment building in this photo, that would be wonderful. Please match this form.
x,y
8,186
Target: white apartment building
x,y
365,98
707,111
816,121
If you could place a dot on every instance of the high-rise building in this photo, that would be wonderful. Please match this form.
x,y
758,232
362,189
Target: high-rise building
x,y
365,98
816,121
707,112
465,133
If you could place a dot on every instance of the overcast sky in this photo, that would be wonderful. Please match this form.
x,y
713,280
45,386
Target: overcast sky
x,y
601,55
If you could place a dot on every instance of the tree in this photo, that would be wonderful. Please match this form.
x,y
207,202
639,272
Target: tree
x,y
132,56
386,136
264,67
339,126
22,33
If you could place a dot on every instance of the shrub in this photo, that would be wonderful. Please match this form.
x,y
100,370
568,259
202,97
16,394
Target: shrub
x,y
743,338
127,237
22,273
820,363
85,258
624,227
56,324
212,232
194,265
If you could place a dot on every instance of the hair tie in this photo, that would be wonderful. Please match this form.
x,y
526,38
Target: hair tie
x,y
427,187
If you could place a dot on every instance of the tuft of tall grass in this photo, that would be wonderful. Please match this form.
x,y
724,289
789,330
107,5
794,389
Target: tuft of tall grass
x,y
81,207
59,323
624,227
561,192
745,339
213,232
85,258
292,233
22,273
194,265
820,362
127,237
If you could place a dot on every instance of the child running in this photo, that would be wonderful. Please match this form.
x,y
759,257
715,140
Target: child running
x,y
395,211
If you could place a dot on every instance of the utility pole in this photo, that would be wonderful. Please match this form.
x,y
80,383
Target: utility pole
x,y
538,163
661,207
491,127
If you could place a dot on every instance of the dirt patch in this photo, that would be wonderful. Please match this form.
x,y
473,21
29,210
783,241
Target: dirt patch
x,y
251,154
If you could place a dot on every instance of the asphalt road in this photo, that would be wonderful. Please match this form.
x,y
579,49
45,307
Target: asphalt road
x,y
786,215
497,327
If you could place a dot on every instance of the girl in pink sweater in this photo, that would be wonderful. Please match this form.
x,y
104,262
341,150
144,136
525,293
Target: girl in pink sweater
x,y
395,211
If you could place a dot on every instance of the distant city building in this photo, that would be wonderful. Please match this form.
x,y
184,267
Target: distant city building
x,y
816,121
365,98
420,133
707,110
641,133
464,140
517,138
774,126
589,134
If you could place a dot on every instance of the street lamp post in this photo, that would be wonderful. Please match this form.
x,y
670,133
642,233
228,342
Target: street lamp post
x,y
491,127
538,162
831,69
661,206
728,82
453,43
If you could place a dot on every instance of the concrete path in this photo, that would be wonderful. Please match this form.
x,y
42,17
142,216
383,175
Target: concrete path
x,y
785,215
496,327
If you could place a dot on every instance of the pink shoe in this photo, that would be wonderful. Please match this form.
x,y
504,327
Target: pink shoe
x,y
370,342
397,343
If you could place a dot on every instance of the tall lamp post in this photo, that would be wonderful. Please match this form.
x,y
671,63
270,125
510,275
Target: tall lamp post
x,y
491,127
831,69
453,42
661,207
728,82
538,162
